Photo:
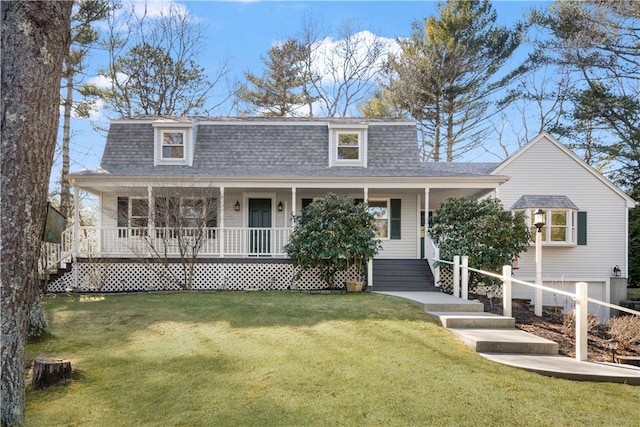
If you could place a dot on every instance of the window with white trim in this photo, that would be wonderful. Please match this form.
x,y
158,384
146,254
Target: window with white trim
x,y
559,229
133,215
348,145
193,212
173,144
380,210
139,214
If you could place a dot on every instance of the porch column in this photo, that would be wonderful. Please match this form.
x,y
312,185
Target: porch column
x,y
426,221
221,223
76,235
293,204
418,231
365,190
151,207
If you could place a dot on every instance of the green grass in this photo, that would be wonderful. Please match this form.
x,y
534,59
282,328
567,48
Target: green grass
x,y
633,294
284,359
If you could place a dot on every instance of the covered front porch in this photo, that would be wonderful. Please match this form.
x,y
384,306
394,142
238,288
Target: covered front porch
x,y
248,218
195,221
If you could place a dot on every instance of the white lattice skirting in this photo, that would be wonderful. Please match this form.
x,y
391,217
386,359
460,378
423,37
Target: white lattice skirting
x,y
232,275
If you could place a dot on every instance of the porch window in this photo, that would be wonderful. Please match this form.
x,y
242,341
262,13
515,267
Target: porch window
x,y
175,213
193,212
138,216
380,211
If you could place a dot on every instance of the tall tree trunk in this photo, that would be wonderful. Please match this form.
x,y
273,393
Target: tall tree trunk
x,y
65,187
450,137
35,38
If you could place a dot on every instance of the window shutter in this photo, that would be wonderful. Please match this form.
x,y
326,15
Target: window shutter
x,y
123,211
582,228
395,219
305,203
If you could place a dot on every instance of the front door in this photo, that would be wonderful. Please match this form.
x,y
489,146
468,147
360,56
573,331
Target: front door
x,y
260,219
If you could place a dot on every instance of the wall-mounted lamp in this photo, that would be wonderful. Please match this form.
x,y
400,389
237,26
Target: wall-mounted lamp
x,y
237,205
280,207
616,271
539,219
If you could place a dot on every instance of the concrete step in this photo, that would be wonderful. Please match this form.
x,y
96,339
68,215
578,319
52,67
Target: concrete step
x,y
512,341
454,306
471,320
569,368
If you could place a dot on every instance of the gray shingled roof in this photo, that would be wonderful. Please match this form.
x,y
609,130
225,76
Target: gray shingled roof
x,y
263,147
546,202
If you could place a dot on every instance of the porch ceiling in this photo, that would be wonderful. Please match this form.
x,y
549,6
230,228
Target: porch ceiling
x,y
439,187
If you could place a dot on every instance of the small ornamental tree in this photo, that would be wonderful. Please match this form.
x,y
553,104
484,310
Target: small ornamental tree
x,y
481,229
333,234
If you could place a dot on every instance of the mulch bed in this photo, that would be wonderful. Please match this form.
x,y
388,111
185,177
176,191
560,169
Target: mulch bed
x,y
550,326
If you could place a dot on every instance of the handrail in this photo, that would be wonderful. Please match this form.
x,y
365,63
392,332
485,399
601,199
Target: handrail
x,y
614,306
52,255
546,288
580,297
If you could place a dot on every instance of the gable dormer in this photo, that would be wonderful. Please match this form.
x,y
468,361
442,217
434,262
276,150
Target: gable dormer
x,y
174,142
348,144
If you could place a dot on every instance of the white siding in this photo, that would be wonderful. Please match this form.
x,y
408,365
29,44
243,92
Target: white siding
x,y
109,207
544,169
405,247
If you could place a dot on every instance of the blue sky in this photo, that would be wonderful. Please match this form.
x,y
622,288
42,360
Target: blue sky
x,y
245,30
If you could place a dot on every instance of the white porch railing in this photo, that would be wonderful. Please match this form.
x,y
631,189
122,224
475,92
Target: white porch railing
x,y
580,296
53,255
144,242
432,253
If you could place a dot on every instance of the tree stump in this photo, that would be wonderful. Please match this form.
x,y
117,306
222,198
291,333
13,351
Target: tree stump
x,y
47,372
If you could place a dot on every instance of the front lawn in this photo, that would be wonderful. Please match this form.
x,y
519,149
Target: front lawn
x,y
287,359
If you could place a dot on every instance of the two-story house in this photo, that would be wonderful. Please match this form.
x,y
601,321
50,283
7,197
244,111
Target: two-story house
x,y
241,180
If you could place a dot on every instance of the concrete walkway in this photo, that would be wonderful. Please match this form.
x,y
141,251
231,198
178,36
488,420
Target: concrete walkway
x,y
495,338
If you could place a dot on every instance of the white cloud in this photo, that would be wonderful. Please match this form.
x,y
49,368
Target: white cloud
x,y
329,53
157,8
102,82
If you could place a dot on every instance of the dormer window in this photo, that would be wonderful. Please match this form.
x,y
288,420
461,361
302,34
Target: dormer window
x,y
174,143
348,145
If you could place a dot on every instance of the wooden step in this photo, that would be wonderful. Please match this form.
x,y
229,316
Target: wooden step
x,y
409,275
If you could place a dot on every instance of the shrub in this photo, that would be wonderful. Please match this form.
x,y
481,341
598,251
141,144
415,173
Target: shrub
x,y
569,323
481,229
625,329
333,234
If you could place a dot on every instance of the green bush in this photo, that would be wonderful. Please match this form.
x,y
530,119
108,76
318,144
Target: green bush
x,y
333,234
481,229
